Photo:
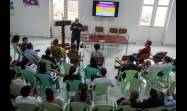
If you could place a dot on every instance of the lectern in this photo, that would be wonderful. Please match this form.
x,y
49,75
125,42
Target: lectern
x,y
63,23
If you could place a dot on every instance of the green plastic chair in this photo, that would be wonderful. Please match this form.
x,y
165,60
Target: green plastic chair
x,y
153,74
48,64
74,86
28,75
126,108
17,50
100,89
135,84
166,73
161,108
103,108
27,107
89,71
129,75
51,107
15,89
78,106
66,68
43,82
172,87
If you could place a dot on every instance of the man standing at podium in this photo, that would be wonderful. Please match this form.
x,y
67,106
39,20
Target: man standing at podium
x,y
76,30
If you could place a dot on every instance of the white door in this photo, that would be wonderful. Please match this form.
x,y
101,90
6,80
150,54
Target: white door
x,y
153,20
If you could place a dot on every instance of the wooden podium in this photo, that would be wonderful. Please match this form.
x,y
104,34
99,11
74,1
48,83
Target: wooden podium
x,y
63,23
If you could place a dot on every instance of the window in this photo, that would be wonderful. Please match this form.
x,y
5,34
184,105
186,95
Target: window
x,y
58,9
154,12
72,9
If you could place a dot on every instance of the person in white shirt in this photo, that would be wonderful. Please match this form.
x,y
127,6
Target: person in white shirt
x,y
27,98
16,79
158,65
103,78
97,52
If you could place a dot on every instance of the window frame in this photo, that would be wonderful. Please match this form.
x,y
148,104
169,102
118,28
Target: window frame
x,y
154,11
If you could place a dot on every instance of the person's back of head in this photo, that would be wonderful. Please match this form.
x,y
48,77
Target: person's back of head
x,y
148,43
125,58
103,72
167,59
15,39
24,40
24,62
42,67
153,93
25,91
83,92
13,73
134,96
131,59
73,46
93,62
72,70
49,94
48,52
96,46
29,45
55,42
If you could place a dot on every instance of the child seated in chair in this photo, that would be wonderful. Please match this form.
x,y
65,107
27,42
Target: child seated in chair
x,y
74,55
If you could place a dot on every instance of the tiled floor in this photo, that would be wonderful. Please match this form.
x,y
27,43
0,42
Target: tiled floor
x,y
114,92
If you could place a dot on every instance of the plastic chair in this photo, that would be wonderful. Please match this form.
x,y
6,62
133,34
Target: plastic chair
x,y
51,107
122,31
48,64
17,50
99,90
99,30
103,108
72,86
113,31
135,84
126,108
129,75
78,106
172,87
153,74
15,89
89,71
161,108
66,68
28,75
27,107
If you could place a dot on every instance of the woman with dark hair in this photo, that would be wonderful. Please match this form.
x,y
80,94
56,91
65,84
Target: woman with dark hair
x,y
132,101
51,98
27,97
53,79
83,95
72,75
153,101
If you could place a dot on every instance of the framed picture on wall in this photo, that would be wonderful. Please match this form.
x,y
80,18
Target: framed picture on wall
x,y
11,7
31,2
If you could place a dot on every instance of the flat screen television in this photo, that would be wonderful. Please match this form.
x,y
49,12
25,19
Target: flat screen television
x,y
105,8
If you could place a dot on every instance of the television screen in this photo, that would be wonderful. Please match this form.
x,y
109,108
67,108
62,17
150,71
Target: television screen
x,y
105,8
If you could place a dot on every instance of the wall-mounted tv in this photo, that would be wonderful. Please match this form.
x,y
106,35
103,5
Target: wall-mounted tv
x,y
105,8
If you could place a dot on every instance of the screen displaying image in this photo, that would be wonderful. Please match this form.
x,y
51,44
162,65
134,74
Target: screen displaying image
x,y
105,8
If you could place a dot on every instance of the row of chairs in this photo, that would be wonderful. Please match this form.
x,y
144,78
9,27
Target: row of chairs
x,y
100,30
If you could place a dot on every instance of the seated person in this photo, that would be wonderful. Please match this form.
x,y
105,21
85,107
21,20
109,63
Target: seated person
x,y
15,44
84,95
145,50
31,51
158,65
74,55
97,52
161,55
53,79
130,66
153,101
124,61
93,63
72,75
52,99
28,97
48,56
132,101
24,44
169,101
16,79
103,78
58,52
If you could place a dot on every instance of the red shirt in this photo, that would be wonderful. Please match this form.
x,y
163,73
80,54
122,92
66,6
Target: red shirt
x,y
146,50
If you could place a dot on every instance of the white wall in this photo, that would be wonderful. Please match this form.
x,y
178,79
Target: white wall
x,y
128,17
30,20
170,35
